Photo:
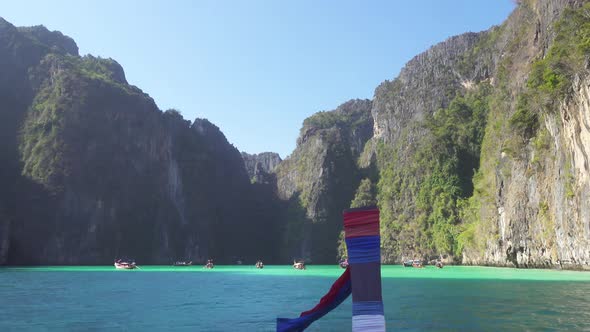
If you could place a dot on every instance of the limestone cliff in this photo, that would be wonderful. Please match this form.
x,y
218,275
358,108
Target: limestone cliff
x,y
533,207
260,166
94,170
319,179
477,153
478,150
526,205
428,127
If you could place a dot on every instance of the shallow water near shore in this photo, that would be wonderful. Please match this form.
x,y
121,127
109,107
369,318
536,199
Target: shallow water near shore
x,y
233,298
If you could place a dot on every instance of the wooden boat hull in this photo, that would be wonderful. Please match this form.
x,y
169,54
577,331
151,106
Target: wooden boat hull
x,y
125,266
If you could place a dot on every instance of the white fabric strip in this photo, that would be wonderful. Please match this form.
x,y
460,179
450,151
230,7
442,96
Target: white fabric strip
x,y
368,323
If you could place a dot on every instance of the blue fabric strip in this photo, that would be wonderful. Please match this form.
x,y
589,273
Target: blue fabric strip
x,y
364,249
301,323
367,308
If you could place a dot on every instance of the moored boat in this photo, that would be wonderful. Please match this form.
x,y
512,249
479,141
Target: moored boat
x,y
125,264
409,263
209,264
183,263
298,265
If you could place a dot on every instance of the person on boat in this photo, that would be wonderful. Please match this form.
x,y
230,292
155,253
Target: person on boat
x,y
417,263
299,265
259,264
209,264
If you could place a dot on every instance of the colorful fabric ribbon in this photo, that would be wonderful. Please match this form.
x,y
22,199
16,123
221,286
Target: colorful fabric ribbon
x,y
339,291
361,228
362,278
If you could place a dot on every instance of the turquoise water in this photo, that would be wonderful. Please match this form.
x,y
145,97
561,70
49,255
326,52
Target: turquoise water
x,y
242,298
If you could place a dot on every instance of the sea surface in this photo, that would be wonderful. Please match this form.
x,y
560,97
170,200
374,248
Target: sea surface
x,y
242,298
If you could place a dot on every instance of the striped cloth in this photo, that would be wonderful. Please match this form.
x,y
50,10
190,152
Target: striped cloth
x,y
339,291
362,278
361,227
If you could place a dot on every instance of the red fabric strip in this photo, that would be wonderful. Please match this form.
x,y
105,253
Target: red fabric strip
x,y
369,230
360,217
361,223
332,294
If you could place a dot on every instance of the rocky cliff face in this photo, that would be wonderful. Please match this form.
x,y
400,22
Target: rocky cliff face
x,y
534,212
19,197
425,84
477,148
95,170
319,178
415,157
519,209
540,213
54,39
478,152
260,166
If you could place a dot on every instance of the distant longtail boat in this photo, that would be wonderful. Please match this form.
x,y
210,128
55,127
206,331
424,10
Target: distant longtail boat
x,y
125,264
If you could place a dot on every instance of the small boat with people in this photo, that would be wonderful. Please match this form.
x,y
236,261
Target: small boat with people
x,y
209,264
183,263
417,264
299,265
413,263
259,264
125,264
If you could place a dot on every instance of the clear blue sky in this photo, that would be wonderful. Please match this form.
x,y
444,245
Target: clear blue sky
x,y
257,69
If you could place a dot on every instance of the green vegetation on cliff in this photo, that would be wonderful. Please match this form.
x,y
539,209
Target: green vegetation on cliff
x,y
436,176
95,170
566,57
551,76
68,110
365,196
100,162
514,214
319,179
